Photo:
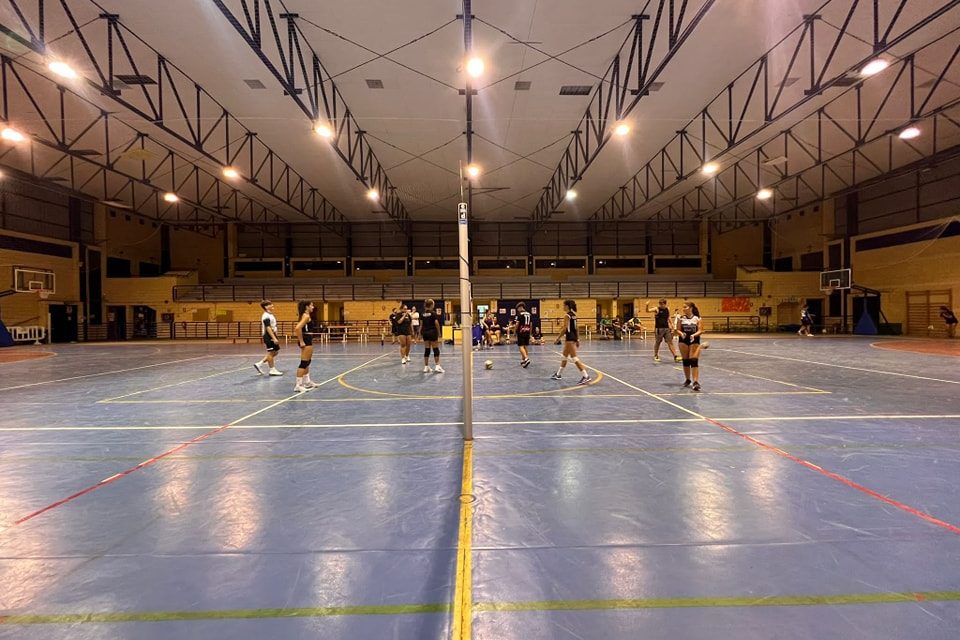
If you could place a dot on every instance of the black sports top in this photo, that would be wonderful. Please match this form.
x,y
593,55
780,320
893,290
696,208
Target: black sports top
x,y
662,318
404,323
571,334
428,323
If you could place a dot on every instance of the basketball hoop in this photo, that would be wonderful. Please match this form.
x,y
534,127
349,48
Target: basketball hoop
x,y
43,293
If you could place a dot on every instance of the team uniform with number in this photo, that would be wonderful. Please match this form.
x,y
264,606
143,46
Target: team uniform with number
x,y
688,327
524,328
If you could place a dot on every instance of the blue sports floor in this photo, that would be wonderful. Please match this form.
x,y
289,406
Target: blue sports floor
x,y
154,491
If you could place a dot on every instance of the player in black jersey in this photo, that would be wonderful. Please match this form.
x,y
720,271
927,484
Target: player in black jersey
x,y
950,319
524,331
404,333
430,332
571,340
806,322
689,328
662,327
304,334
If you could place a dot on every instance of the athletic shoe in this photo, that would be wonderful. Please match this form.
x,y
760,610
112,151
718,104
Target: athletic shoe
x,y
259,370
656,358
311,385
274,372
556,376
696,386
426,368
809,335
301,389
799,333
686,383
677,359
437,369
584,380
403,361
525,363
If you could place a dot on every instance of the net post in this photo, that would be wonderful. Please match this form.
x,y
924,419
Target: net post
x,y
466,319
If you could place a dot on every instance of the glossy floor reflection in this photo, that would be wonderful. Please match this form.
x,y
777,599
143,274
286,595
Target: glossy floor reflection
x,y
808,491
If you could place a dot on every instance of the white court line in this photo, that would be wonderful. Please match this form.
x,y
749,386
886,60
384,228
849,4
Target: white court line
x,y
841,366
103,373
172,384
362,425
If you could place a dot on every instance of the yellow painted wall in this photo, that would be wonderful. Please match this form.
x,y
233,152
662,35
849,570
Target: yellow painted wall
x,y
354,311
801,233
917,266
197,252
136,239
28,308
743,246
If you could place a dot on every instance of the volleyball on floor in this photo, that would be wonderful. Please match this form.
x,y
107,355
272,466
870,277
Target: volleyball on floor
x,y
488,364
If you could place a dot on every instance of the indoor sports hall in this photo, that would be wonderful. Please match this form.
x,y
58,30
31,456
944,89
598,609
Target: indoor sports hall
x,y
479,319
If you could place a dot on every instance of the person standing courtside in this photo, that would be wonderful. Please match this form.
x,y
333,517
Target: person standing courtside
x,y
404,333
570,337
304,333
270,339
415,322
431,336
689,328
663,330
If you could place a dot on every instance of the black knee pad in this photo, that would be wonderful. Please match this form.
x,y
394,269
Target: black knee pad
x,y
436,352
426,352
694,362
304,364
686,362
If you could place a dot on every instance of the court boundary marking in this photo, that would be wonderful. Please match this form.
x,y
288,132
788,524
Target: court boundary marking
x,y
708,602
841,366
805,463
155,459
104,373
365,425
462,626
406,396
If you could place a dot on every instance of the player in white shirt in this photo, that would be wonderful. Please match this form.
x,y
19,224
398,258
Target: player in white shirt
x,y
268,329
689,328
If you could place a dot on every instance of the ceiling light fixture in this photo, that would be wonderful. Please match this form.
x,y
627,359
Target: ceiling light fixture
x,y
874,67
475,67
909,133
170,197
373,194
323,130
63,70
764,194
473,170
710,168
571,195
12,135
622,129
231,173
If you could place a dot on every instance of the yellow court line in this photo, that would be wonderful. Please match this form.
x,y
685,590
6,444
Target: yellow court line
x,y
532,394
463,591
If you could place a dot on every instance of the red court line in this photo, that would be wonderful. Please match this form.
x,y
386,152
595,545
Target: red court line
x,y
805,463
117,476
841,479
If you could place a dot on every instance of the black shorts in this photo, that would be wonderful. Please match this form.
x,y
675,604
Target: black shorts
x,y
806,323
429,336
523,339
270,344
689,340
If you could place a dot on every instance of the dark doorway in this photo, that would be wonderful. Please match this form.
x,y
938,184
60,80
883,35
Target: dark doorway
x,y
815,307
63,322
144,322
627,311
116,323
